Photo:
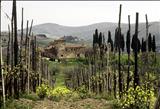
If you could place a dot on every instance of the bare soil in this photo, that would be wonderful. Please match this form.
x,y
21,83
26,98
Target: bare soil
x,y
88,103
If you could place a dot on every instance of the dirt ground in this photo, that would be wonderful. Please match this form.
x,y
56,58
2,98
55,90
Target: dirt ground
x,y
88,103
81,104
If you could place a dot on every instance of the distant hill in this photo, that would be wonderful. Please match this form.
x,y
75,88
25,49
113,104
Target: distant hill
x,y
49,31
86,32
42,39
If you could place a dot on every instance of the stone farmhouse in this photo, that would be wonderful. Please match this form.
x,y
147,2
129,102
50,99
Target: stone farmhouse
x,y
58,49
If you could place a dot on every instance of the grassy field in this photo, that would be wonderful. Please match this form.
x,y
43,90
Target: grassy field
x,y
61,67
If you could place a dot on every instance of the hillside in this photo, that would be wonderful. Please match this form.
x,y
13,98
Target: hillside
x,y
85,32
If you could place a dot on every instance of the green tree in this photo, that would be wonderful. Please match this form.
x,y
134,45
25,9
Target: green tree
x,y
116,39
153,44
149,42
143,47
122,44
128,42
100,39
110,40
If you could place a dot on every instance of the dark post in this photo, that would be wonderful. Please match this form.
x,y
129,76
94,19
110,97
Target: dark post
x,y
128,51
119,52
136,76
16,90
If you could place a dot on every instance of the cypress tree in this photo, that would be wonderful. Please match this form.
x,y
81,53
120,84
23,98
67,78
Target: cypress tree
x,y
110,40
128,42
122,42
143,47
94,40
135,42
100,39
95,43
103,38
139,45
153,44
96,36
116,39
149,42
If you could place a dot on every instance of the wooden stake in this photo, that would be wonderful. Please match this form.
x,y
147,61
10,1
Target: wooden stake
x,y
119,62
136,76
128,75
21,43
26,43
28,64
1,62
30,28
146,33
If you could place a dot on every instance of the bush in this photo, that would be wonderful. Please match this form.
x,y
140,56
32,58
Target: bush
x,y
136,99
59,93
41,90
82,91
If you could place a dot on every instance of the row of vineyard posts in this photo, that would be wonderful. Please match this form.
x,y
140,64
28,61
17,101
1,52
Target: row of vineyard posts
x,y
23,68
105,73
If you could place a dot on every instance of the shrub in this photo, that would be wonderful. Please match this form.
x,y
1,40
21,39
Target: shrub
x,y
82,91
59,93
41,90
136,99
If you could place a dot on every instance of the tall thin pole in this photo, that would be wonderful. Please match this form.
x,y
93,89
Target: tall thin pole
x,y
16,87
1,62
21,44
119,51
30,28
26,43
146,33
129,24
28,63
136,76
128,37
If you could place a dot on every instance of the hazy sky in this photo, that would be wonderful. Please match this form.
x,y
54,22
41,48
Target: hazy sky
x,y
78,13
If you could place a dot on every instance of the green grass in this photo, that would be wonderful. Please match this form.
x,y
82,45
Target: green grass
x,y
61,67
32,96
59,79
44,42
16,104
